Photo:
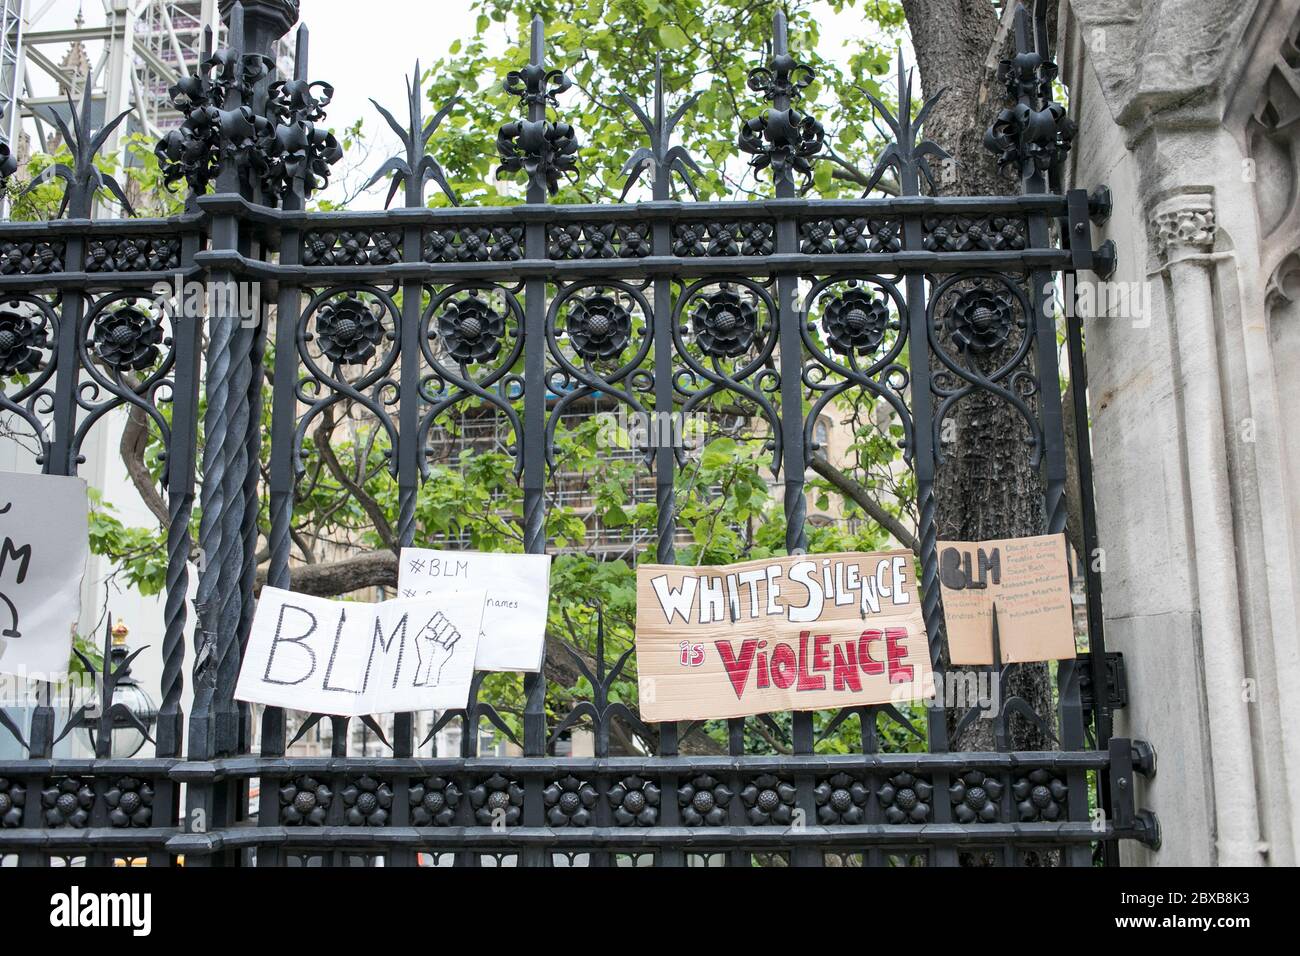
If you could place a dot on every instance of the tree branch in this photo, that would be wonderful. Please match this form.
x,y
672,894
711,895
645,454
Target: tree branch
x,y
858,493
135,439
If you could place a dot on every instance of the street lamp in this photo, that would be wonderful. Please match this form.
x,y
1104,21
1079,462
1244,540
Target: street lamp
x,y
133,712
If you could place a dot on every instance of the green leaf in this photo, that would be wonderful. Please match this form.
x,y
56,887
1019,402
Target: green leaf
x,y
672,36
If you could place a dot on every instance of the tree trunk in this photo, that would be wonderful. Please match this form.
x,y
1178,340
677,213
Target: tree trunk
x,y
986,487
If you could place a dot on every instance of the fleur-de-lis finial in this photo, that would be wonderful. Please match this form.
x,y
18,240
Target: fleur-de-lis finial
x,y
298,149
907,154
782,137
1034,133
418,166
286,152
84,179
540,147
661,159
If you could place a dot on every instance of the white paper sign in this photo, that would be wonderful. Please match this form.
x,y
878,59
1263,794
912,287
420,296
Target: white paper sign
x,y
44,543
514,615
350,659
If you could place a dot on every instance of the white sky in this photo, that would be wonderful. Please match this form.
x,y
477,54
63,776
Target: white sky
x,y
364,51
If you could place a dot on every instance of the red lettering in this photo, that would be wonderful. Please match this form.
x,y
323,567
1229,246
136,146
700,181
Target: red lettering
x,y
870,666
846,667
898,673
737,667
821,656
806,680
763,682
784,666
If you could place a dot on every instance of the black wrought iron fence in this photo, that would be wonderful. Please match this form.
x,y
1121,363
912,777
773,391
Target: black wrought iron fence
x,y
780,305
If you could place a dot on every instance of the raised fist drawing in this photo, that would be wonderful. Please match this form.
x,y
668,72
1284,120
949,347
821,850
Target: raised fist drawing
x,y
434,646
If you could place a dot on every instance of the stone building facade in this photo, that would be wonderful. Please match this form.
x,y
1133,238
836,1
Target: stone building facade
x,y
1190,111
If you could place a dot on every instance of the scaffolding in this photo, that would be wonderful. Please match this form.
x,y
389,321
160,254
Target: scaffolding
x,y
131,59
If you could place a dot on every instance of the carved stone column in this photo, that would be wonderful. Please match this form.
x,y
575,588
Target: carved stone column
x,y
1184,229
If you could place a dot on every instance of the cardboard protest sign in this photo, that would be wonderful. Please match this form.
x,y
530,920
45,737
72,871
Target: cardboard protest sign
x,y
514,613
1028,578
796,633
44,544
350,659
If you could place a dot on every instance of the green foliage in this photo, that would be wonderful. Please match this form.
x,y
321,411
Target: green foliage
x,y
609,46
724,495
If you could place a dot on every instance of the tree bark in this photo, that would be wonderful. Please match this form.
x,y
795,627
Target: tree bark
x,y
986,487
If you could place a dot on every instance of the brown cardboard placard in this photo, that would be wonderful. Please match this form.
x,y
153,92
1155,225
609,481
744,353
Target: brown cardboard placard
x,y
1028,578
806,632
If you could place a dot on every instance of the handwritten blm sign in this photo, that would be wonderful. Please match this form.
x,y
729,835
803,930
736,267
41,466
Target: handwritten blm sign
x,y
797,633
514,612
1028,579
351,659
44,545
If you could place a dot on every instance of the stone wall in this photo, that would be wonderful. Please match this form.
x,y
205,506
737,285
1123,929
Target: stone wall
x,y
1190,111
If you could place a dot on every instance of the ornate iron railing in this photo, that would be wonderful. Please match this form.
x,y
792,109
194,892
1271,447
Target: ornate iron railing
x,y
525,310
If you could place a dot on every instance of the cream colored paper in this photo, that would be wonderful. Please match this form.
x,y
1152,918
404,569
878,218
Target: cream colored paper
x,y
796,633
1029,579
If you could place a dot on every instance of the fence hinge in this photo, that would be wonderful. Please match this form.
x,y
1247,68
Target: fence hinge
x,y
1116,682
1082,212
1128,758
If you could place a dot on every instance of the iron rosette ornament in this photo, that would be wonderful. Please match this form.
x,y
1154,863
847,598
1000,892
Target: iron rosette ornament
x,y
841,799
127,338
1041,795
368,801
974,797
703,801
433,802
130,802
635,801
497,799
855,322
980,321
599,334
568,802
768,799
68,802
13,799
472,337
346,340
599,326
24,338
305,801
724,323
724,332
784,139
350,331
128,354
906,798
854,336
980,332
471,330
28,332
